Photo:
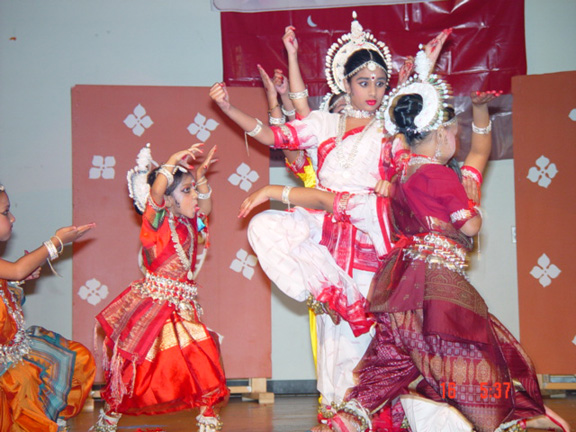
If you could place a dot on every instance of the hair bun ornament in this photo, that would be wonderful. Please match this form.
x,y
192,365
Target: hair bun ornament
x,y
433,90
341,50
138,187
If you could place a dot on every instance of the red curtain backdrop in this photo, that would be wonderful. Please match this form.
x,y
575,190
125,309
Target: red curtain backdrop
x,y
485,50
110,124
544,130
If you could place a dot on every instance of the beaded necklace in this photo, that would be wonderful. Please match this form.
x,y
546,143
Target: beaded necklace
x,y
355,113
19,346
418,159
186,261
346,162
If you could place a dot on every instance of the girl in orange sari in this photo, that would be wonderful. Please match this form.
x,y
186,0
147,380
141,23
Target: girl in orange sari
x,y
44,378
160,357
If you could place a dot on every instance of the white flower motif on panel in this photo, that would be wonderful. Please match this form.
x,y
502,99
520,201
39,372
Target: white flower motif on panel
x,y
574,340
138,121
543,172
202,127
244,263
102,167
545,271
244,177
93,291
572,115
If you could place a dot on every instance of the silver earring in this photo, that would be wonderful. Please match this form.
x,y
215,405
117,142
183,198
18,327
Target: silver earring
x,y
437,153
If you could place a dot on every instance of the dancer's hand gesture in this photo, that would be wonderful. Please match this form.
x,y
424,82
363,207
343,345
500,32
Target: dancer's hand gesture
x,y
290,41
483,97
208,161
219,94
253,200
434,47
280,82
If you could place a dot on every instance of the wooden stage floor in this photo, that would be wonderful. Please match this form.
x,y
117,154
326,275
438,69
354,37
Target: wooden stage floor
x,y
286,414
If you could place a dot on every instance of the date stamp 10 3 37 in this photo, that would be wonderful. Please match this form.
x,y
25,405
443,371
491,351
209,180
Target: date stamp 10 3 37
x,y
496,390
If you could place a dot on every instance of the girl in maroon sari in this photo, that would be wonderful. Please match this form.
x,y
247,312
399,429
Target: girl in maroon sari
x,y
434,335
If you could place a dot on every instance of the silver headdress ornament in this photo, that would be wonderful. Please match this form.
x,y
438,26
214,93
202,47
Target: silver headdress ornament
x,y
138,187
2,189
434,92
325,101
348,44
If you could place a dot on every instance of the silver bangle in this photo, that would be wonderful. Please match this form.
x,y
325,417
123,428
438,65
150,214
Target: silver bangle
x,y
286,195
256,130
155,206
276,121
205,196
288,113
298,95
482,131
169,177
61,244
52,251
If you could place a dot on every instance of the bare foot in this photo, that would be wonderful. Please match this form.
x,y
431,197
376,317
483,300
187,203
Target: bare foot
x,y
321,428
559,421
343,422
550,421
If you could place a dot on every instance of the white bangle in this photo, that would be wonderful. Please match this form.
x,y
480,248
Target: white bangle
x,y
203,180
205,196
298,95
286,195
167,174
482,131
288,113
256,130
52,251
276,121
61,244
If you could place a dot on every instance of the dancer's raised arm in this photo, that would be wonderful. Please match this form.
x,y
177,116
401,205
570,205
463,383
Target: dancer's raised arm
x,y
251,125
300,196
298,92
481,143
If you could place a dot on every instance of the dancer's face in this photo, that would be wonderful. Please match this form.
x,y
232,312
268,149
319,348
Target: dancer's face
x,y
366,89
6,218
183,201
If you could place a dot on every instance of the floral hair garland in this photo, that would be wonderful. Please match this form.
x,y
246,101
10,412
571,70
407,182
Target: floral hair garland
x,y
433,90
347,45
138,187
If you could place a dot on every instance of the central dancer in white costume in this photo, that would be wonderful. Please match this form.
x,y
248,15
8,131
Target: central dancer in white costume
x,y
305,252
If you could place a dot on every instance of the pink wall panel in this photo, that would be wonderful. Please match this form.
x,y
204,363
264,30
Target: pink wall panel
x,y
110,124
544,154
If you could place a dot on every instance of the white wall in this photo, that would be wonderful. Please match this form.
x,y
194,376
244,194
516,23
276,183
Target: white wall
x,y
61,43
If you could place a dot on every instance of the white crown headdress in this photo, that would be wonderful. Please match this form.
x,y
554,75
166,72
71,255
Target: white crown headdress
x,y
434,92
138,187
348,44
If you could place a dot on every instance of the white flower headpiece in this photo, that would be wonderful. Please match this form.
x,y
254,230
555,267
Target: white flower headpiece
x,y
433,90
138,187
324,104
347,45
